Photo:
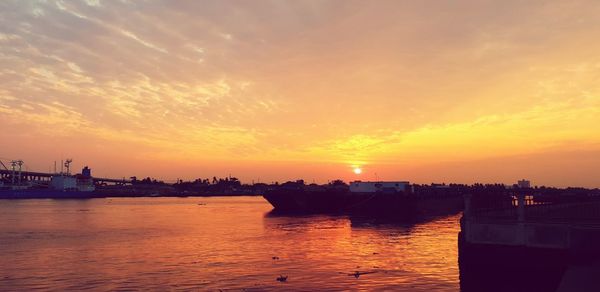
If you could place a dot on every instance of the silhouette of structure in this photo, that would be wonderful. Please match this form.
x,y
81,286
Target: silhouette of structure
x,y
533,237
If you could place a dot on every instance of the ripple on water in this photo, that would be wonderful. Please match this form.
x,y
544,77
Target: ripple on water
x,y
227,243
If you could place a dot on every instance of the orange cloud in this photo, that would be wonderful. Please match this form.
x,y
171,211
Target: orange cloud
x,y
390,86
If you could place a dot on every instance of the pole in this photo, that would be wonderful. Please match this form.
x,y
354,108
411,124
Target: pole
x,y
20,163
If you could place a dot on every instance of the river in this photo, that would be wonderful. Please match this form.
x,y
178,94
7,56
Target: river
x,y
216,243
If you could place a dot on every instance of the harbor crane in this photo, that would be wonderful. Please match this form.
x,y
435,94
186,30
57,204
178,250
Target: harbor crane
x,y
5,168
3,165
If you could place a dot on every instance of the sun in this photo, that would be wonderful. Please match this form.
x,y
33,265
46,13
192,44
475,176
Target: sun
x,y
357,170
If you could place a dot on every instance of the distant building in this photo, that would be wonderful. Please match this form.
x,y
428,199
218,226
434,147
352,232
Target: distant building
x,y
524,184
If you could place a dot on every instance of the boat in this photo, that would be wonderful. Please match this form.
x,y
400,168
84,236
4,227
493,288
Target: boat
x,y
397,199
44,193
61,185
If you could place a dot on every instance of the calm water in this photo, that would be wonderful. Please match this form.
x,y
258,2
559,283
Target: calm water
x,y
215,243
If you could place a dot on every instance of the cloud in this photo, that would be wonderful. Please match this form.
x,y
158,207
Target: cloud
x,y
332,81
55,117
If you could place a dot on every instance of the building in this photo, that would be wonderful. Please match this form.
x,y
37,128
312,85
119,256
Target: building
x,y
524,184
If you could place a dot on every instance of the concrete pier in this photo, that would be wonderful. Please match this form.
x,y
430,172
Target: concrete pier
x,y
581,278
557,245
571,226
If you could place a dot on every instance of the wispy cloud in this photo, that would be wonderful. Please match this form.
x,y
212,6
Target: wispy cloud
x,y
336,81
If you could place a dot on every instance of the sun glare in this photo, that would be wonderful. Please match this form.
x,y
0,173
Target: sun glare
x,y
357,170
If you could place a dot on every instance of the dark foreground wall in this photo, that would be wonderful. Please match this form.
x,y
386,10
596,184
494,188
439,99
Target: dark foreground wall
x,y
499,268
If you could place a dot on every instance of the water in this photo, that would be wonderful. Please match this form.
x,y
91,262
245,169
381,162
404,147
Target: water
x,y
215,243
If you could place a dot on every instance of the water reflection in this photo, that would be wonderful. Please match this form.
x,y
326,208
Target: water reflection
x,y
216,243
411,255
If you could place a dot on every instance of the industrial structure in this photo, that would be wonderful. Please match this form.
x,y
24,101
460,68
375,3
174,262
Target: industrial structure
x,y
16,176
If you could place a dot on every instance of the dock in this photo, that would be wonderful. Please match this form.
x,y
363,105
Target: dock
x,y
554,243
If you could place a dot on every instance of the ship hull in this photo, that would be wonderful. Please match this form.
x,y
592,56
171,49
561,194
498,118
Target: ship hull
x,y
396,205
44,194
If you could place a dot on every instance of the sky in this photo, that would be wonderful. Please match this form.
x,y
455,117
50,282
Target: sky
x,y
425,91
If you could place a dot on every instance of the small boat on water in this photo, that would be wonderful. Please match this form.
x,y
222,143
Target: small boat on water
x,y
371,198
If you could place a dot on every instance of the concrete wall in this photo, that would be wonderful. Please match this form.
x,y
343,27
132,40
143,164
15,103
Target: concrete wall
x,y
538,235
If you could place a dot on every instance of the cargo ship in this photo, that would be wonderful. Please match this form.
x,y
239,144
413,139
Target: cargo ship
x,y
61,185
397,199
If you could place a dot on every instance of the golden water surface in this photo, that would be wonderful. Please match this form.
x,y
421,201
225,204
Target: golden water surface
x,y
216,243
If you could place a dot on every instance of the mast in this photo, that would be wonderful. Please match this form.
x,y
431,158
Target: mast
x,y
68,165
20,164
13,165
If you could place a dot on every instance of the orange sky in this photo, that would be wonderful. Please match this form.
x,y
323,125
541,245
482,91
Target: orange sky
x,y
426,91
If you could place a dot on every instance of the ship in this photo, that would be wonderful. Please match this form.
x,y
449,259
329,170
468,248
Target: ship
x,y
61,185
393,199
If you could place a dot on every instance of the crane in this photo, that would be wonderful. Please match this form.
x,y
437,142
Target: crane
x,y
4,166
